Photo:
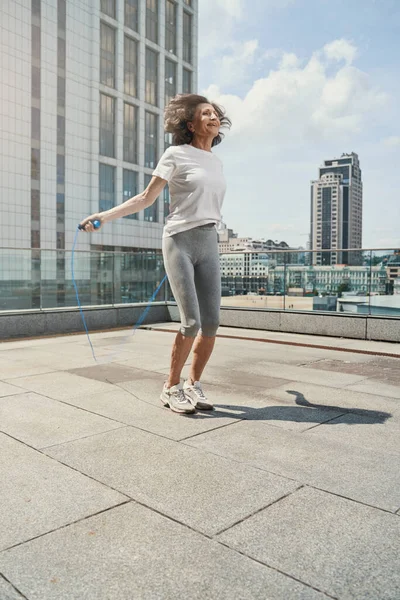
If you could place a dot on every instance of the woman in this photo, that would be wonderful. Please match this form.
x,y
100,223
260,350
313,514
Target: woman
x,y
190,243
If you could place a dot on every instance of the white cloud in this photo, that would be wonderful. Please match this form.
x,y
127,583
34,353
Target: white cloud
x,y
302,102
290,119
392,141
341,50
234,66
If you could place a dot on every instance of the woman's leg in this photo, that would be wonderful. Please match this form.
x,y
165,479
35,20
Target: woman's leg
x,y
202,351
180,352
208,287
180,271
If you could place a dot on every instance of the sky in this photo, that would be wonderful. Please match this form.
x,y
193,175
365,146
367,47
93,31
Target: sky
x,y
304,81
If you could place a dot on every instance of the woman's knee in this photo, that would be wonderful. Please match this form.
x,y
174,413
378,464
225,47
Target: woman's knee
x,y
190,328
210,329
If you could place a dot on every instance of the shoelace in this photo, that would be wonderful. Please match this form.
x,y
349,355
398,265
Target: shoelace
x,y
180,395
199,391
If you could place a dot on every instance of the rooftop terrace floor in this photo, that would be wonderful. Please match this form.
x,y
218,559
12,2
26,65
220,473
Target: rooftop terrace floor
x,y
290,489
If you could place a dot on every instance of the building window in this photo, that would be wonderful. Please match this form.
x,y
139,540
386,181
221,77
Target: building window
x,y
61,53
60,169
35,207
36,8
35,123
170,27
106,187
129,189
132,14
187,37
35,42
61,91
151,95
130,139
35,82
152,20
151,212
107,55
107,125
167,140
170,80
60,130
186,81
60,208
35,163
130,66
167,200
150,140
35,239
61,15
108,8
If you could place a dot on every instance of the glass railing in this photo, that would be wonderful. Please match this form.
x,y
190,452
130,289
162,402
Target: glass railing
x,y
42,279
350,281
346,282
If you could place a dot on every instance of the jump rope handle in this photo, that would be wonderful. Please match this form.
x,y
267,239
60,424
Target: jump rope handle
x,y
96,224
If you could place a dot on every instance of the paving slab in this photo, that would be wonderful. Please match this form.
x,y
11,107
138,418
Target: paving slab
x,y
371,386
137,403
7,389
40,421
372,477
62,386
38,494
341,547
369,405
131,552
295,373
381,368
353,430
164,474
7,591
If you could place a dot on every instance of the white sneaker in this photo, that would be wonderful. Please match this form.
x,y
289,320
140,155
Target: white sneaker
x,y
176,399
196,395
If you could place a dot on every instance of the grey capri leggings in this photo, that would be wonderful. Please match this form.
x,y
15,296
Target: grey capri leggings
x,y
192,264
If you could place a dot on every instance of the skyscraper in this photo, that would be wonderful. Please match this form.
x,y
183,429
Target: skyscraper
x,y
84,85
336,211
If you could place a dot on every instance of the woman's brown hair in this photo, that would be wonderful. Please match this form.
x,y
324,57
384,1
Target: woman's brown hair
x,y
181,110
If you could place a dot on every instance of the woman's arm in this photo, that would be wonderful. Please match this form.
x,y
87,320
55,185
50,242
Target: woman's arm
x,y
133,205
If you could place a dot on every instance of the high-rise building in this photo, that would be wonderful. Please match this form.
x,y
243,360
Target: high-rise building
x,y
336,211
83,89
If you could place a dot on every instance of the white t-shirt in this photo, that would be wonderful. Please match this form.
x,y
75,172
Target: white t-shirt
x,y
196,186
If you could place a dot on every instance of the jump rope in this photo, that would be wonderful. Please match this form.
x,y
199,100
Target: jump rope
x,y
96,224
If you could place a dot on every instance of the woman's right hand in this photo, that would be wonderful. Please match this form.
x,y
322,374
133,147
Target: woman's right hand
x,y
87,224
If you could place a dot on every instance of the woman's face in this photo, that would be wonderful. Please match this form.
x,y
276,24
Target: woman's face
x,y
206,122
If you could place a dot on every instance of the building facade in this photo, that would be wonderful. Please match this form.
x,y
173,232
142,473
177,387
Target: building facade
x,y
259,272
84,85
336,212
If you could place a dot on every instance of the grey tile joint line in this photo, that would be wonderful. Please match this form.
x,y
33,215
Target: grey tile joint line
x,y
314,487
122,423
278,571
327,421
85,437
37,537
13,586
109,487
189,437
258,510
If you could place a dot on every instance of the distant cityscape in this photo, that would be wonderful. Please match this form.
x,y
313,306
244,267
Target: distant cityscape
x,y
333,269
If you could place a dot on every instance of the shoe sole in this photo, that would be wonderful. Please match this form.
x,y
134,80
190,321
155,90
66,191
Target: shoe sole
x,y
208,407
175,410
195,403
